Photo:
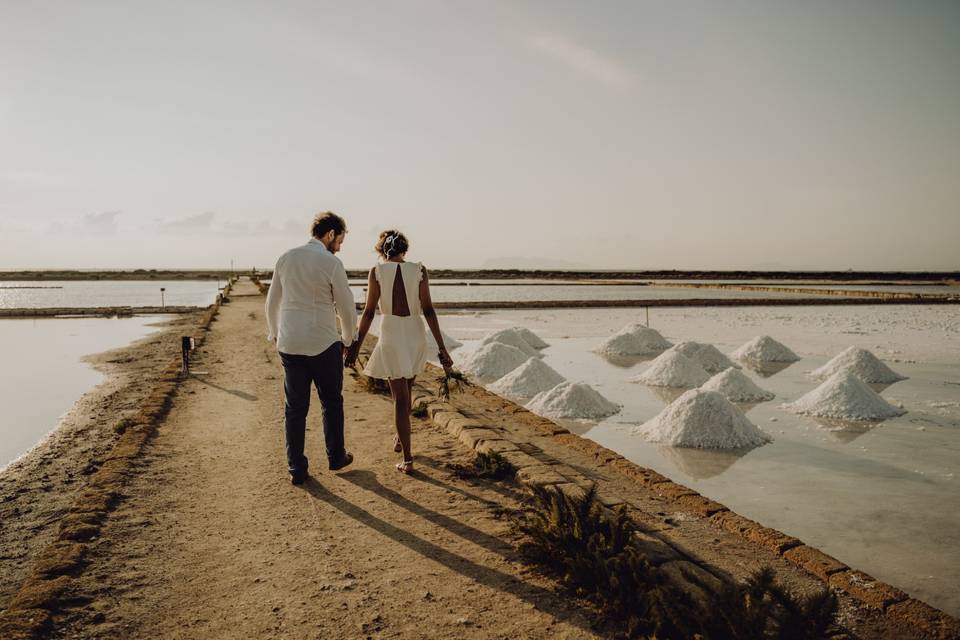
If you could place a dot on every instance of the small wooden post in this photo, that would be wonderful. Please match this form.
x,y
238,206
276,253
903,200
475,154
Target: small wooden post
x,y
186,346
648,316
163,304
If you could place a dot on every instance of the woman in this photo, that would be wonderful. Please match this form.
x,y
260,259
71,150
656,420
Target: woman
x,y
402,290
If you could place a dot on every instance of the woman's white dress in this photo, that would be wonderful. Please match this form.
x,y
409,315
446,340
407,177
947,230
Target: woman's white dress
x,y
401,351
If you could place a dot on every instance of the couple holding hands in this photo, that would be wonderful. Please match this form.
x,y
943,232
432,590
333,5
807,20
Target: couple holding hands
x,y
309,291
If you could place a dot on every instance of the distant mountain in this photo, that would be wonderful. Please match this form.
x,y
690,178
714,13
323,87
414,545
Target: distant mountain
x,y
534,263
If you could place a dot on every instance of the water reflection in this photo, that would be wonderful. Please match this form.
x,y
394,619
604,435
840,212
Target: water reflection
x,y
626,362
667,394
845,431
700,464
765,369
746,406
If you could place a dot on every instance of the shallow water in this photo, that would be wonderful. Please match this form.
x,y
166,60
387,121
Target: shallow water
x,y
521,293
107,293
884,498
43,373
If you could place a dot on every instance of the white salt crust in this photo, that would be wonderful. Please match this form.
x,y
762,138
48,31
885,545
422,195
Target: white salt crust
x,y
703,419
844,396
572,401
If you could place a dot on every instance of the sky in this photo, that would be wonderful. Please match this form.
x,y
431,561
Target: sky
x,y
759,134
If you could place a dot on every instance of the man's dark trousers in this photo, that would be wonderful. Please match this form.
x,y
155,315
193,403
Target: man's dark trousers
x,y
325,370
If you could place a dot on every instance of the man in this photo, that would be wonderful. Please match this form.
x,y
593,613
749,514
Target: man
x,y
309,288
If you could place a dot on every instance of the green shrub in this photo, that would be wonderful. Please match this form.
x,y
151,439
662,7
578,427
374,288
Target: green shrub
x,y
420,410
596,558
122,425
488,466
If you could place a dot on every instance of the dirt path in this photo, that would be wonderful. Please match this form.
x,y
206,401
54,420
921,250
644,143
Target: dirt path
x,y
214,542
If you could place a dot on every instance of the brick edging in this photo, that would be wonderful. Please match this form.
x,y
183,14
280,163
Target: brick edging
x,y
860,586
30,611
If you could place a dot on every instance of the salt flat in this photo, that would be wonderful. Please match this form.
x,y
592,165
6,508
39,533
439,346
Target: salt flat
x,y
881,497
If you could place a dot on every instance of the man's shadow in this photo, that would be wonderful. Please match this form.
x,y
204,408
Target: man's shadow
x,y
542,599
240,394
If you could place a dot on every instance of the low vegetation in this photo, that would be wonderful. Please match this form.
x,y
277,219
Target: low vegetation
x,y
122,425
419,410
487,466
597,558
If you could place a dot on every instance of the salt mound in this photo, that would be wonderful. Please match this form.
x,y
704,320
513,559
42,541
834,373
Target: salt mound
x,y
634,340
735,386
532,377
706,355
673,369
532,339
703,419
846,397
765,349
513,338
449,341
493,361
862,364
572,400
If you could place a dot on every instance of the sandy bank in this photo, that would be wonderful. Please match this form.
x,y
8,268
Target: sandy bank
x,y
36,490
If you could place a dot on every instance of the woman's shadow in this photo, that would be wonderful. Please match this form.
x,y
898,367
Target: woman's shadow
x,y
542,599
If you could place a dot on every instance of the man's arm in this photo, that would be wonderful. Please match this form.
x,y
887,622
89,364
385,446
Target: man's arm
x,y
272,306
346,306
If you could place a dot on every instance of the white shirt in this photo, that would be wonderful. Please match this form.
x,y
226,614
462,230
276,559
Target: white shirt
x,y
309,288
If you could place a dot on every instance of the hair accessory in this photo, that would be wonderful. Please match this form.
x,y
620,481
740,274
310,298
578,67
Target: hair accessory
x,y
389,240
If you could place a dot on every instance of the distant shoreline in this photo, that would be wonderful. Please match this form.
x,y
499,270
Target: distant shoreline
x,y
863,277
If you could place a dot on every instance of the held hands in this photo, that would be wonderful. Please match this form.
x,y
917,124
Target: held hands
x,y
350,355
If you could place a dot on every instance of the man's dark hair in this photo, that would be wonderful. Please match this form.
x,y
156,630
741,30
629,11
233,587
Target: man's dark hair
x,y
327,221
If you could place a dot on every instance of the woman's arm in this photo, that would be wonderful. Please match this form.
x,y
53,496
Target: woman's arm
x,y
366,319
431,316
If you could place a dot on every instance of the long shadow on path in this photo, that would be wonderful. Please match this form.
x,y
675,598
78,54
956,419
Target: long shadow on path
x,y
542,599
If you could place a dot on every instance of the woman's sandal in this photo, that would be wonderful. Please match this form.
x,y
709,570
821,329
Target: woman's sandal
x,y
405,467
396,444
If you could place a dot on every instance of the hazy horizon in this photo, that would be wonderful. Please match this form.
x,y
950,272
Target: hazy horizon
x,y
623,135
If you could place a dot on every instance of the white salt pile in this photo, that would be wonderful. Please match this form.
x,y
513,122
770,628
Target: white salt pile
x,y
703,419
449,341
673,369
862,364
532,339
532,377
765,349
735,386
573,401
493,361
846,397
634,340
706,355
513,338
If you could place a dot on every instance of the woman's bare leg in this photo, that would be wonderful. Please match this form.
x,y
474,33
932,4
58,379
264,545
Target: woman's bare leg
x,y
400,388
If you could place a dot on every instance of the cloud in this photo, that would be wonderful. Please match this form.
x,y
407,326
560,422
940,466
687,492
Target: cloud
x,y
585,60
103,223
210,223
195,224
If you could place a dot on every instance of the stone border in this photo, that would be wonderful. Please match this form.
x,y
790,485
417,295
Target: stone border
x,y
532,471
30,611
